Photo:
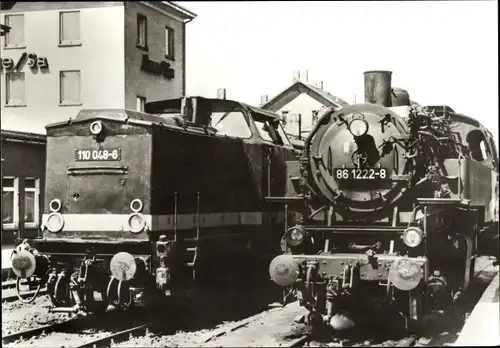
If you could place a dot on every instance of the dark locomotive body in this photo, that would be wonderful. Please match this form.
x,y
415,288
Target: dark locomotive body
x,y
390,205
141,204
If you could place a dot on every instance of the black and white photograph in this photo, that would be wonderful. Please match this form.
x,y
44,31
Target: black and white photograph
x,y
249,173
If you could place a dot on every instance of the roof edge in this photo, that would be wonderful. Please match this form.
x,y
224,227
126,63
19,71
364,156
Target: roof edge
x,y
184,11
11,134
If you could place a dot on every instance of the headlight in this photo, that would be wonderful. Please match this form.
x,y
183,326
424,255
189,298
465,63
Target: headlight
x,y
96,127
136,205
123,266
412,236
295,236
55,205
136,223
358,127
55,222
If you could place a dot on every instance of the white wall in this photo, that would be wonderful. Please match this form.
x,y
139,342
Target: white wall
x,y
100,59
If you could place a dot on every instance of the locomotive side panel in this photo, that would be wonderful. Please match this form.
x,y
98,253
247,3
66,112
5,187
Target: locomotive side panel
x,y
210,164
476,183
213,201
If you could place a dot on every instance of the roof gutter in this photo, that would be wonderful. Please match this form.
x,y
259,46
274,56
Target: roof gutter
x,y
180,9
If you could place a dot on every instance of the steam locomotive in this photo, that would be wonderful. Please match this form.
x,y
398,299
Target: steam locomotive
x,y
390,202
143,206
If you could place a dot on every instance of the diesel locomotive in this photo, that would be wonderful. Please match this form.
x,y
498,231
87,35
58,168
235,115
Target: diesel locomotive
x,y
139,206
391,201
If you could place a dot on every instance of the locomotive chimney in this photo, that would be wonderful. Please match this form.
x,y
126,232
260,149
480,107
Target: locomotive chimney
x,y
378,87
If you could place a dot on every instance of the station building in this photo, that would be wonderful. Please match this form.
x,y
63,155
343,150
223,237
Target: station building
x,y
60,57
300,118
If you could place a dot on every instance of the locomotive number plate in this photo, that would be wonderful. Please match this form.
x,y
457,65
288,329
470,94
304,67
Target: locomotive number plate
x,y
84,155
360,174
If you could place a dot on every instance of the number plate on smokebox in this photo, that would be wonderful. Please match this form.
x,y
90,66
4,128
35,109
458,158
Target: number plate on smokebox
x,y
360,174
84,155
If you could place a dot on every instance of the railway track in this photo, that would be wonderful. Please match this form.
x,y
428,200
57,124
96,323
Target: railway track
x,y
242,334
9,293
75,331
308,340
11,297
268,328
9,284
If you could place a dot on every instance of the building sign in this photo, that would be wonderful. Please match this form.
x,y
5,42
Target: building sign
x,y
163,68
34,62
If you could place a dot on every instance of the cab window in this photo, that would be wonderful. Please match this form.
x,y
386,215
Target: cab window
x,y
233,124
270,130
283,135
477,145
264,131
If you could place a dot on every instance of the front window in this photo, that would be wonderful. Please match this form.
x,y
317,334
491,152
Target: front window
x,y
70,93
169,43
9,202
69,28
31,193
15,89
232,123
15,38
140,103
142,31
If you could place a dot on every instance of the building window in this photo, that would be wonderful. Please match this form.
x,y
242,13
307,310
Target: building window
x,y
31,197
15,89
142,32
69,28
169,43
10,188
70,87
140,103
15,38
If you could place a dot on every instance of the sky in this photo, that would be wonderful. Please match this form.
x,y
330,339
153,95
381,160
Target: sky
x,y
442,52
